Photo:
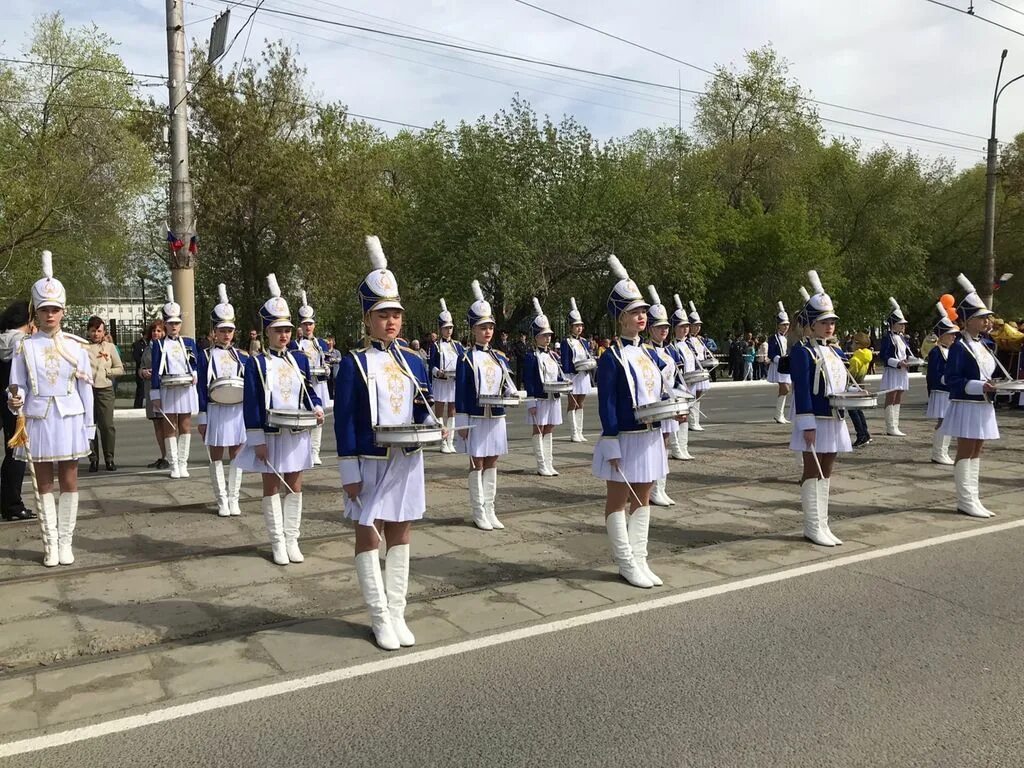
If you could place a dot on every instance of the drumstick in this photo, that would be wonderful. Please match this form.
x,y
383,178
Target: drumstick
x,y
814,453
279,475
619,470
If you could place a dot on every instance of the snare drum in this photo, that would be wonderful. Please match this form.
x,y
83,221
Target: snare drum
x,y
854,400
227,390
708,363
407,434
1007,385
585,366
914,362
558,387
291,419
663,409
696,377
318,372
169,380
500,401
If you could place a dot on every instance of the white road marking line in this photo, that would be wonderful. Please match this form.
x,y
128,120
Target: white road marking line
x,y
390,662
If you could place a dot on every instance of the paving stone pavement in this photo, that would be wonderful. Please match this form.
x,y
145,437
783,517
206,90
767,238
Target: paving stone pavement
x,y
167,601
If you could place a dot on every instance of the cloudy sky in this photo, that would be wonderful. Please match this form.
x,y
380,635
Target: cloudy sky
x,y
910,59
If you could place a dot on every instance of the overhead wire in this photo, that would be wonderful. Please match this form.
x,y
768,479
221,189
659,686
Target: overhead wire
x,y
974,15
1007,7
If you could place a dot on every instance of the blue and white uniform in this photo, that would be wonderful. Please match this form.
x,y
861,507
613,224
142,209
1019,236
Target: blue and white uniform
x,y
938,390
894,351
443,359
541,366
316,351
482,371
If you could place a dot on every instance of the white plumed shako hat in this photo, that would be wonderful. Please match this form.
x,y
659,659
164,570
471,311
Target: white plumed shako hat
x,y
444,319
819,305
656,313
171,311
540,323
480,310
48,291
275,313
379,289
971,305
625,295
306,313
223,314
574,317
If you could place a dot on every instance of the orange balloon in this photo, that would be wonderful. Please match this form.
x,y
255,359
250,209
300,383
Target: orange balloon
x,y
947,300
952,314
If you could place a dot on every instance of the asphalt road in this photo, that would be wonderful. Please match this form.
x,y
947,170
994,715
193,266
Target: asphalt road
x,y
910,660
136,446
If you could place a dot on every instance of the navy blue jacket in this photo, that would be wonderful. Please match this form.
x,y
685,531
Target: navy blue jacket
x,y
293,347
614,401
434,355
775,348
888,351
936,369
254,403
156,349
352,427
203,371
963,373
466,397
809,397
531,375
568,364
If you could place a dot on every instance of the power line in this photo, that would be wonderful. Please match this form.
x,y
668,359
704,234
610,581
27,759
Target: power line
x,y
699,68
972,14
82,68
1008,7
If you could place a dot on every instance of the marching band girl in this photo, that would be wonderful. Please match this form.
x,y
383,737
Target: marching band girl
x,y
316,351
701,352
679,441
970,417
175,361
896,376
938,391
664,354
820,433
222,426
576,349
630,456
51,384
778,371
383,384
544,409
482,370
443,359
277,380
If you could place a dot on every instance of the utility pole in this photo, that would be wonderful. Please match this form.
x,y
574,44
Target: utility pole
x,y
182,213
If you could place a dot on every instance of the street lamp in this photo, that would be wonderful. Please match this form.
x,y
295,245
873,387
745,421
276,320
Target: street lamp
x,y
990,190
142,279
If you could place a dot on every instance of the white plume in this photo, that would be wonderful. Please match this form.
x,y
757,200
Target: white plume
x,y
782,308
679,302
536,307
478,292
304,302
965,283
170,293
222,293
655,298
444,305
275,289
893,303
816,285
572,304
47,264
377,257
693,308
617,269
804,294
942,310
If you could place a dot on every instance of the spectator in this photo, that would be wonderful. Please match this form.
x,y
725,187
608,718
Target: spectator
x,y
416,347
333,359
860,362
154,331
519,348
140,386
206,342
748,360
106,367
761,359
255,345
736,350
15,324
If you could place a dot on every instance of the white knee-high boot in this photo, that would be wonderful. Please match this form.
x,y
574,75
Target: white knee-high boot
x,y
659,497
683,441
892,421
674,451
637,527
824,487
476,500
219,492
963,485
234,485
622,551
396,585
292,519
809,497
976,487
539,454
67,516
184,447
274,520
940,448
48,529
780,410
577,420
694,416
316,436
171,449
371,583
548,456
490,491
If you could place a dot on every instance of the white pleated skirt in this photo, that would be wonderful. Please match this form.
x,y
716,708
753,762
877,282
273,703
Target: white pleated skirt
x,y
895,378
287,451
444,390
57,438
669,426
179,400
700,386
549,413
644,458
323,393
581,384
974,420
831,436
225,425
393,490
778,378
488,437
938,402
